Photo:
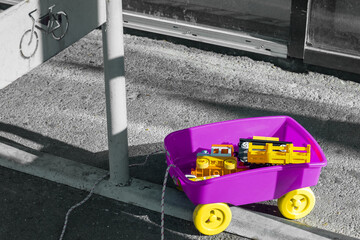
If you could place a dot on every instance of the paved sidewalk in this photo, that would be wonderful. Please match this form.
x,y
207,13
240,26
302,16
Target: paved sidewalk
x,y
34,208
59,108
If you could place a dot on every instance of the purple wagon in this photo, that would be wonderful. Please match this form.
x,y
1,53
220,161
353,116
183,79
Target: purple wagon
x,y
288,183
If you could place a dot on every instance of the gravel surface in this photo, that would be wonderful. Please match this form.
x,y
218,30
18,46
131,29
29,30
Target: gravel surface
x,y
59,108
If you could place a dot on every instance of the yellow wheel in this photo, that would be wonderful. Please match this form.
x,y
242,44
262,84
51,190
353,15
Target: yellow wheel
x,y
211,219
202,163
230,164
297,203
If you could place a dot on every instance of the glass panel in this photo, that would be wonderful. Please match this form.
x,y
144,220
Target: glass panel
x,y
265,18
224,151
335,25
5,4
3,7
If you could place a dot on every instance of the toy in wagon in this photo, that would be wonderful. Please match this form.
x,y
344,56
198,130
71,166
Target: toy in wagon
x,y
245,161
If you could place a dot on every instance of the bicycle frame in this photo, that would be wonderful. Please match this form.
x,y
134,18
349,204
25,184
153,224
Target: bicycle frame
x,y
33,25
48,20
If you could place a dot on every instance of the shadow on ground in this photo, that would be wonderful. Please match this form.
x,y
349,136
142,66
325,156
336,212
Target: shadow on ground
x,y
99,208
322,130
34,208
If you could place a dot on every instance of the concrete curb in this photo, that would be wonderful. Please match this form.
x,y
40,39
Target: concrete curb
x,y
147,195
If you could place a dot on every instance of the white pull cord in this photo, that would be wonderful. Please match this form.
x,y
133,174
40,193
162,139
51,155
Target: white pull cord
x,y
80,203
93,188
146,159
163,200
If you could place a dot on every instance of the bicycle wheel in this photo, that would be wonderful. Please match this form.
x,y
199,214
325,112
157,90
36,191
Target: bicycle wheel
x,y
62,19
28,44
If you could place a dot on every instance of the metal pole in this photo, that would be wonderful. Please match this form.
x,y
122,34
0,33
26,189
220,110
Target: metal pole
x,y
113,49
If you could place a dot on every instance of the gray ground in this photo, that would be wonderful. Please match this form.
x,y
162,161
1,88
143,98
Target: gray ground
x,y
34,208
59,108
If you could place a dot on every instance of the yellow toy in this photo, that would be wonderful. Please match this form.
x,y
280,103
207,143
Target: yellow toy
x,y
262,150
255,152
219,162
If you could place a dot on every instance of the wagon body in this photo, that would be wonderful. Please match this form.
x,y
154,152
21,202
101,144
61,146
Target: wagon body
x,y
249,186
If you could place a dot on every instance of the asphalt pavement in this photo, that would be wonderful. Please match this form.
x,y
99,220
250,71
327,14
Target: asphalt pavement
x,y
59,108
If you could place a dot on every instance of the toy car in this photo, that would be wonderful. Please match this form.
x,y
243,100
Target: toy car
x,y
219,162
288,183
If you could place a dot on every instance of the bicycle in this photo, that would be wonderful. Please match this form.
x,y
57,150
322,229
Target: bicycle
x,y
55,23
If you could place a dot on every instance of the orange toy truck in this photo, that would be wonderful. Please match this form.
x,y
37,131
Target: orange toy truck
x,y
219,162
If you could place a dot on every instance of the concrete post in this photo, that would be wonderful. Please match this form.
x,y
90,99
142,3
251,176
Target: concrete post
x,y
113,48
